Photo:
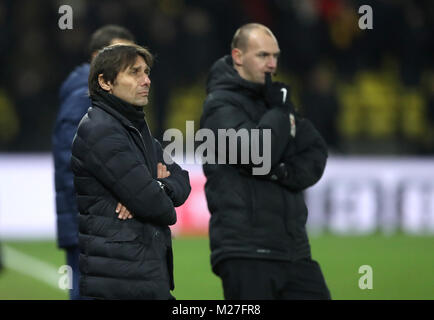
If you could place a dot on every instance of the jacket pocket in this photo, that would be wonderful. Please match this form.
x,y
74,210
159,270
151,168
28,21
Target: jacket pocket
x,y
123,235
125,244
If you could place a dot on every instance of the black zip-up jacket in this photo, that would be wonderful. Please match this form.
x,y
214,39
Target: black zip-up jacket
x,y
114,159
252,216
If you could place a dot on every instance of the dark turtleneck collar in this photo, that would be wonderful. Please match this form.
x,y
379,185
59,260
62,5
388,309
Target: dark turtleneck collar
x,y
223,76
133,113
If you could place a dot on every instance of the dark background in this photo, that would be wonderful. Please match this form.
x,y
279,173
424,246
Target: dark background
x,y
367,91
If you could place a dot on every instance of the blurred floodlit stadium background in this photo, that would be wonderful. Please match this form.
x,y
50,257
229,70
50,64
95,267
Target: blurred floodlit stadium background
x,y
369,92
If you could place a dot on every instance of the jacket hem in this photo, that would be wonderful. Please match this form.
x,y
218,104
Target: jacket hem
x,y
248,255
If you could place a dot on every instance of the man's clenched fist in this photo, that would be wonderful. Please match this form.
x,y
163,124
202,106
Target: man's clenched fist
x,y
277,94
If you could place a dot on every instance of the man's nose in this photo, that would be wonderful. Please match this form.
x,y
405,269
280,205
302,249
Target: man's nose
x,y
272,63
145,80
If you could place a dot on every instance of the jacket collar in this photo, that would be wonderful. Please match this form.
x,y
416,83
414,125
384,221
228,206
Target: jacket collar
x,y
223,76
126,113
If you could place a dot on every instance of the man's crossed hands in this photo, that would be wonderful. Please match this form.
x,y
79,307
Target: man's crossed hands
x,y
123,212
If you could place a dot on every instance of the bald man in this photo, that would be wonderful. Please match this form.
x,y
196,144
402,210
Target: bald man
x,y
259,245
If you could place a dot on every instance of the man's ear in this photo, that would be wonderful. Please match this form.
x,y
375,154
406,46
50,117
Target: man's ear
x,y
93,55
105,85
237,57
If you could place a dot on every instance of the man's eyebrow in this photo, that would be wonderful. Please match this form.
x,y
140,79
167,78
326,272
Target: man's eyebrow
x,y
139,67
268,53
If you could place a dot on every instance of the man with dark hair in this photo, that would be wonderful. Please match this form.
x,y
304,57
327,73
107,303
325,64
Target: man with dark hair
x,y
109,34
258,239
126,253
75,101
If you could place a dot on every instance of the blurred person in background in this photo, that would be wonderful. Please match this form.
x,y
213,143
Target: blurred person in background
x,y
126,193
259,244
74,102
320,104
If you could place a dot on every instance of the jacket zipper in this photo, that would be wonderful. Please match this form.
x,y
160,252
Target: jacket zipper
x,y
140,135
155,232
144,146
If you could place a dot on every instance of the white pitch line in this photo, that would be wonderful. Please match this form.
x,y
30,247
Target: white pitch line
x,y
31,266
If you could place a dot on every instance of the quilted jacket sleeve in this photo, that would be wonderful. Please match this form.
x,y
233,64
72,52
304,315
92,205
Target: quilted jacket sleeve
x,y
304,161
110,158
222,115
178,183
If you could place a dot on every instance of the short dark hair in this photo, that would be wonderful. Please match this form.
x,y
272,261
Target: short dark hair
x,y
241,36
103,37
113,59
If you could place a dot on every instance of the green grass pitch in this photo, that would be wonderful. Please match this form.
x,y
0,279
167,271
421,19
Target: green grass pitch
x,y
403,268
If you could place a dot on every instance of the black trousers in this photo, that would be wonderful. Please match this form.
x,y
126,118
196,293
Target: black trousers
x,y
252,279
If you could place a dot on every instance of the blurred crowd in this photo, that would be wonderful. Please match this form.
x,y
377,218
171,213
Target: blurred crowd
x,y
367,91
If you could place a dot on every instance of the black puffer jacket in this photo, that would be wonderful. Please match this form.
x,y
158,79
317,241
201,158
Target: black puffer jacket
x,y
114,159
258,216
